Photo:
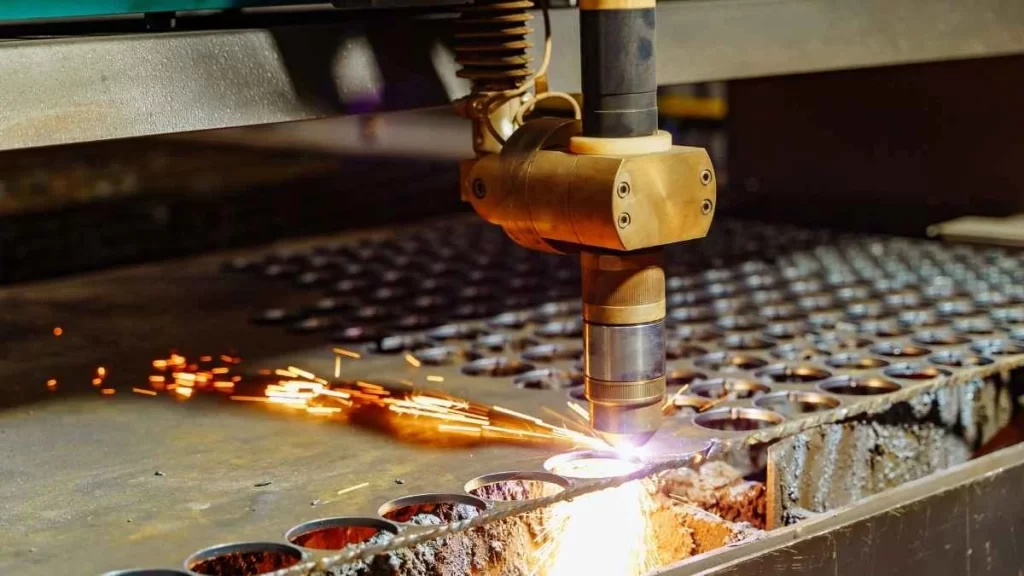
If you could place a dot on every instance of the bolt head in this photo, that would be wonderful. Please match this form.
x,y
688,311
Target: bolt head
x,y
624,220
479,189
705,177
706,206
623,189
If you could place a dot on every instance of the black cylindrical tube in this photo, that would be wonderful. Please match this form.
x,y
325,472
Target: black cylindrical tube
x,y
620,89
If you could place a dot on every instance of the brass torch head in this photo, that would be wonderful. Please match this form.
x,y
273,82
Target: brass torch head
x,y
624,343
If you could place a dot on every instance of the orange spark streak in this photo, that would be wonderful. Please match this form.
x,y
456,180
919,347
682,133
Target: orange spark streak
x,y
183,392
579,410
248,398
348,353
51,384
337,366
432,378
108,391
57,331
413,361
144,391
353,488
302,373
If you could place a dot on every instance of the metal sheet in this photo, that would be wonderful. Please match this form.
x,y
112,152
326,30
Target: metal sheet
x,y
61,90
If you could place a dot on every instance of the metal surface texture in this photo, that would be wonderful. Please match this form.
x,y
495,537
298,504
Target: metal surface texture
x,y
753,311
62,90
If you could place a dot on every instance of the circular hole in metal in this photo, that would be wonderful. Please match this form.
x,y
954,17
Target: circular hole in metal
x,y
919,317
551,309
543,379
357,334
857,386
977,326
824,319
882,328
560,328
958,359
997,347
436,355
740,323
803,374
722,387
244,559
806,286
799,351
276,316
678,349
940,338
732,305
578,393
955,307
794,403
313,324
897,350
865,309
837,341
690,314
512,320
501,342
784,330
456,332
685,404
737,419
725,361
746,342
721,289
853,293
816,301
496,367
680,378
147,572
432,509
337,533
856,361
695,333
588,464
780,312
1008,314
551,352
914,371
516,486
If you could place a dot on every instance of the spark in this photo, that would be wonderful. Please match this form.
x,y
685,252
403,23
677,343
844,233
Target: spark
x,y
412,360
184,392
578,527
57,331
206,358
248,398
97,382
302,373
337,367
578,410
108,391
144,391
51,384
101,372
433,378
353,488
344,352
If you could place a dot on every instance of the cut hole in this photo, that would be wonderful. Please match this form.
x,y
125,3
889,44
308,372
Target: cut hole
x,y
746,342
853,293
510,320
998,347
780,312
456,332
815,302
732,305
799,351
976,326
824,319
940,338
726,361
865,309
690,315
560,328
696,333
722,387
591,464
856,361
543,379
684,404
432,509
896,350
516,486
795,403
955,307
782,374
837,341
437,355
496,367
784,330
337,533
676,350
680,378
740,323
882,328
501,342
854,386
919,318
737,419
551,352
957,359
552,309
244,559
914,371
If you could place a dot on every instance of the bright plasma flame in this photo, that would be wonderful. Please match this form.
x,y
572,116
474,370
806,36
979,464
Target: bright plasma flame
x,y
604,532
